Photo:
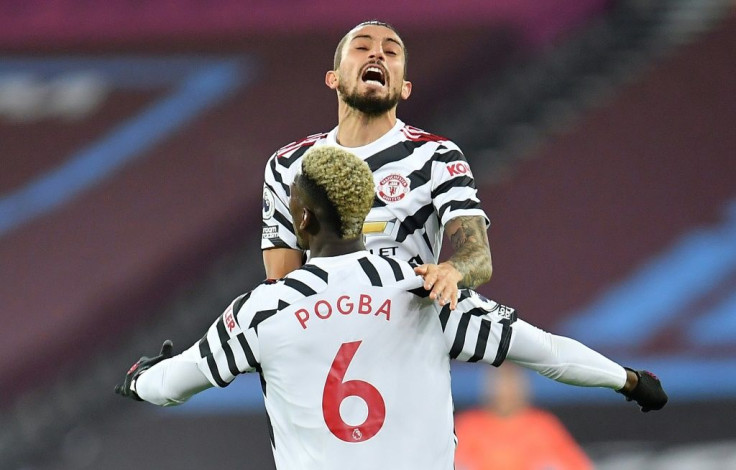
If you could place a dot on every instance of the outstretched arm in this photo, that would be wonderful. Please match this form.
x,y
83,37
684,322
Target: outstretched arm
x,y
562,359
569,361
469,266
165,380
171,382
223,353
483,330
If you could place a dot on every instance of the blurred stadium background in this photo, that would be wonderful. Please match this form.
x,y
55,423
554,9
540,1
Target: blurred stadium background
x,y
133,138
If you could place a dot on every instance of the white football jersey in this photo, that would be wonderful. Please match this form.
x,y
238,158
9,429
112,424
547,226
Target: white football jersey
x,y
422,181
355,362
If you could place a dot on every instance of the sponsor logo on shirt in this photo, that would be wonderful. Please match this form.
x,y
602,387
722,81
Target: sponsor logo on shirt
x,y
389,251
392,188
374,227
378,227
270,232
268,205
458,168
229,320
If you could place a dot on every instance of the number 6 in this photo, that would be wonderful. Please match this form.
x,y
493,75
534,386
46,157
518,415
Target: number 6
x,y
336,391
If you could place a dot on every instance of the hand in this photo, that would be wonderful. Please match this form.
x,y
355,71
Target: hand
x,y
442,280
647,391
126,389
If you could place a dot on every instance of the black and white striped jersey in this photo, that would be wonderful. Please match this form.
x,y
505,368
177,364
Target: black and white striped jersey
x,y
422,182
355,361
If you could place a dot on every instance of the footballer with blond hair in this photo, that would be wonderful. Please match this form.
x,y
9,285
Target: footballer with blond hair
x,y
353,354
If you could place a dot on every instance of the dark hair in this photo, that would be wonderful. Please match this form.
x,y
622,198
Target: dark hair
x,y
317,196
340,45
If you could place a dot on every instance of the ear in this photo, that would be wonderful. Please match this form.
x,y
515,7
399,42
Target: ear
x,y
332,80
405,90
303,220
307,221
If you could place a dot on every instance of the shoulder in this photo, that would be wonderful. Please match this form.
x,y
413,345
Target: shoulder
x,y
474,303
445,149
386,271
473,417
273,296
544,422
541,415
302,144
290,153
415,134
260,297
303,282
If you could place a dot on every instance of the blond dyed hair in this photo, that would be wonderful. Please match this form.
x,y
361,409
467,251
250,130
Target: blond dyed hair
x,y
347,182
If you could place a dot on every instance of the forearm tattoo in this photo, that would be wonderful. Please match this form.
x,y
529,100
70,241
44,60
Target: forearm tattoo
x,y
472,257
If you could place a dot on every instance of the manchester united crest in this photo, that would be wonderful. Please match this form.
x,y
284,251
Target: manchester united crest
x,y
392,188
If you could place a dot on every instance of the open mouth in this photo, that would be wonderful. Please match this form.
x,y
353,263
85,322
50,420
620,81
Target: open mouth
x,y
374,75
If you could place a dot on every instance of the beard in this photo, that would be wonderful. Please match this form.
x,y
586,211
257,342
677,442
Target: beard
x,y
368,104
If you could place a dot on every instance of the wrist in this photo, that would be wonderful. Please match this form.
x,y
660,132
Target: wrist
x,y
134,387
456,272
632,380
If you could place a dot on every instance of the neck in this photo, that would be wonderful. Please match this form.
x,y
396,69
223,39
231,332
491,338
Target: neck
x,y
333,246
356,129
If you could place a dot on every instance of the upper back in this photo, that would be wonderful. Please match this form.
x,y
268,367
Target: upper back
x,y
355,368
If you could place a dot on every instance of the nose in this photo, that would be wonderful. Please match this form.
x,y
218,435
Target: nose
x,y
377,52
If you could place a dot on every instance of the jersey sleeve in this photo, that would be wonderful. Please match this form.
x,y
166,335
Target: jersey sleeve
x,y
230,347
483,330
277,226
563,359
453,187
479,329
172,381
